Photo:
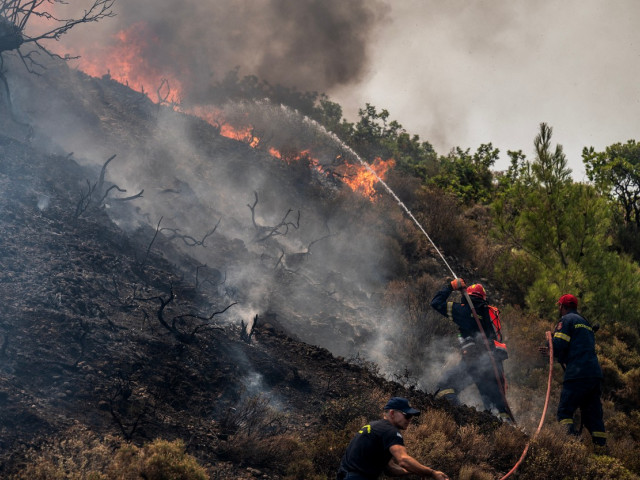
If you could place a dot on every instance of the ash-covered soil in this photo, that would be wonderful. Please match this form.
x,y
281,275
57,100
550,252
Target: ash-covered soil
x,y
100,331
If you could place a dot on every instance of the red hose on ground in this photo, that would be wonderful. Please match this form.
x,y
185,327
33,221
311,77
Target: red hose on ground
x,y
544,410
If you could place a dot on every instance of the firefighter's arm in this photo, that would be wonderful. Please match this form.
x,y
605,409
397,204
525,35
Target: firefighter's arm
x,y
439,302
394,470
403,462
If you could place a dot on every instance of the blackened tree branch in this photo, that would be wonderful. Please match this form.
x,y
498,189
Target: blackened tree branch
x,y
188,239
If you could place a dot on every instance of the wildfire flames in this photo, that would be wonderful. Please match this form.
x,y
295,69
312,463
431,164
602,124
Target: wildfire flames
x,y
124,61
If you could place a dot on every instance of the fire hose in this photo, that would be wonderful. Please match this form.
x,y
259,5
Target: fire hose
x,y
475,315
544,410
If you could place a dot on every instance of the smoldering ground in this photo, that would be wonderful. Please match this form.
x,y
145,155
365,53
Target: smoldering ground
x,y
275,248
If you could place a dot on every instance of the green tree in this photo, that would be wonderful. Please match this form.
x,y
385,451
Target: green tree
x,y
560,238
468,176
616,173
375,135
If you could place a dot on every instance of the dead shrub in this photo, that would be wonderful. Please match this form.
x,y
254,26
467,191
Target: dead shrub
x,y
435,449
438,421
76,455
624,355
254,416
158,460
302,470
613,379
274,451
508,444
475,445
554,455
631,391
440,215
84,457
475,472
326,449
604,467
432,441
360,407
254,434
625,449
620,425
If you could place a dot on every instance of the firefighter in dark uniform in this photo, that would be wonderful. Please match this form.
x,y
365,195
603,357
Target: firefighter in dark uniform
x,y
574,347
379,447
476,366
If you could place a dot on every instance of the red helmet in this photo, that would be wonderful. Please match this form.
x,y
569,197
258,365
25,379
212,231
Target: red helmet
x,y
568,301
478,290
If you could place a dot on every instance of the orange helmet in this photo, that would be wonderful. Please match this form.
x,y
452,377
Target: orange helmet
x,y
478,290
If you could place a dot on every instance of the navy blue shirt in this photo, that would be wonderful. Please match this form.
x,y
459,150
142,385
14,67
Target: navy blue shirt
x,y
461,313
368,453
574,345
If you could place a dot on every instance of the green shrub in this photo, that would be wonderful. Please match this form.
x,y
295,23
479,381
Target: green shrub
x,y
604,467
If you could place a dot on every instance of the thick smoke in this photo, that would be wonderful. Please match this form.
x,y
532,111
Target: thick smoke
x,y
309,45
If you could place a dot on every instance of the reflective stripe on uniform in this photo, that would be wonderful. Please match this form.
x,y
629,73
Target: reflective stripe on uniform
x,y
582,325
566,421
366,427
599,434
446,391
450,310
562,336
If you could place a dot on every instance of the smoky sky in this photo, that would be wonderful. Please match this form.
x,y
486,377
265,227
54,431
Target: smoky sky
x,y
462,73
456,73
310,45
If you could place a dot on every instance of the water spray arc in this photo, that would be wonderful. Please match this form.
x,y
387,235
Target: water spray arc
x,y
390,192
464,292
548,334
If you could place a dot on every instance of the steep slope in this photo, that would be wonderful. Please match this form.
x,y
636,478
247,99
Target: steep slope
x,y
84,347
133,317
300,243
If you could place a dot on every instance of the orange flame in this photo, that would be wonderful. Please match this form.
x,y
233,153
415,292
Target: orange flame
x,y
124,61
360,179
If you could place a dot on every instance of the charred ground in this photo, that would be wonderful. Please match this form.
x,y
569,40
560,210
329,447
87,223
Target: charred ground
x,y
83,345
108,332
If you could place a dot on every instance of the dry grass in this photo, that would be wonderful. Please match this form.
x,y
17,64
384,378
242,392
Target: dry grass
x,y
82,456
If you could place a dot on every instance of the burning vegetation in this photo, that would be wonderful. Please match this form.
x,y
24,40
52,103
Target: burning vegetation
x,y
222,289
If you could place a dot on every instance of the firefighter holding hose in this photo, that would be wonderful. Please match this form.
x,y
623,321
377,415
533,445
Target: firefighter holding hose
x,y
481,349
574,348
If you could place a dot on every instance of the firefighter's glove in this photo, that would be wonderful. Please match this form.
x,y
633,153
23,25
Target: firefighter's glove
x,y
458,284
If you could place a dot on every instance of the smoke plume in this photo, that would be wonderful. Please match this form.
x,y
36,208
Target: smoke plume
x,y
312,45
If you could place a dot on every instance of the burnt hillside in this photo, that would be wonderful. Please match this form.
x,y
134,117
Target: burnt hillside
x,y
104,334
139,246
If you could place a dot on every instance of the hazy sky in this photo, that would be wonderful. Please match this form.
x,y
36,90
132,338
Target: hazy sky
x,y
462,73
455,72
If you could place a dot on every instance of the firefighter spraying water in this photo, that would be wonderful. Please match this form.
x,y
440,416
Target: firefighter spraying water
x,y
477,321
495,351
